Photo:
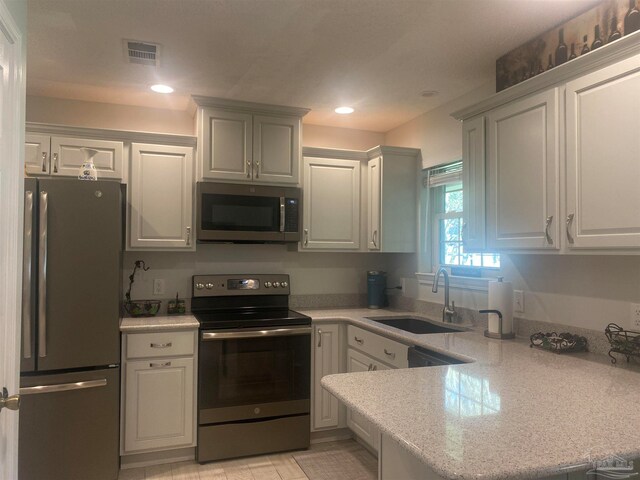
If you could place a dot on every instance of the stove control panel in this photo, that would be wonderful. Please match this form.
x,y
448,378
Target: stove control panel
x,y
230,285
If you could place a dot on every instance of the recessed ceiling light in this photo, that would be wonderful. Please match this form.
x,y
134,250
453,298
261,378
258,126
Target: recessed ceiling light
x,y
429,93
161,88
344,110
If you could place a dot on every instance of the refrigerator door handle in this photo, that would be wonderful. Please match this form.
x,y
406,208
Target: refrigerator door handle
x,y
63,387
42,277
26,275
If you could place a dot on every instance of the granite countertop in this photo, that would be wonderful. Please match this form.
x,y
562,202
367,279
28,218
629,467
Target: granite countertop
x,y
149,324
514,412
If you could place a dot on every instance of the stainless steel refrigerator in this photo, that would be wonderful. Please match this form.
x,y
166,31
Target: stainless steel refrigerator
x,y
70,375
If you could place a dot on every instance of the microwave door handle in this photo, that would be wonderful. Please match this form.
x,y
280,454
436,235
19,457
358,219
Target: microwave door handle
x,y
282,214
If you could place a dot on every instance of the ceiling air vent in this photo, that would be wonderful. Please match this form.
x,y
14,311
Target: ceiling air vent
x,y
142,53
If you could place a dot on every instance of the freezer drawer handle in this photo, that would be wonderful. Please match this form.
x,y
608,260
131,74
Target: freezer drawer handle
x,y
161,345
63,387
42,276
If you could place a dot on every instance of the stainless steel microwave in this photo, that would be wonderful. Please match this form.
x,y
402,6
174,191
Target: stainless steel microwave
x,y
248,213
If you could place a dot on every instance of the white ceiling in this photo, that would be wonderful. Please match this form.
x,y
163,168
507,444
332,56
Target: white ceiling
x,y
376,55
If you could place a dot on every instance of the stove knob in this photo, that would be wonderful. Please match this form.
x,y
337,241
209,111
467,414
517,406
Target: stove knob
x,y
284,284
267,284
209,286
199,286
276,284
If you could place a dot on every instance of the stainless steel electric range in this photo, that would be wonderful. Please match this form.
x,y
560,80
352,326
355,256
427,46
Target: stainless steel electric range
x,y
254,368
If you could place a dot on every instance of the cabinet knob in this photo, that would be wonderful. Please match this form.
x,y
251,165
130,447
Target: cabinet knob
x,y
359,341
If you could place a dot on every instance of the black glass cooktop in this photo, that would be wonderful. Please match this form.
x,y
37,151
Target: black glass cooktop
x,y
250,318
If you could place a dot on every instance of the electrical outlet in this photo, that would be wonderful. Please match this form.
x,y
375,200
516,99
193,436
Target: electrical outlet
x,y
158,286
518,301
635,316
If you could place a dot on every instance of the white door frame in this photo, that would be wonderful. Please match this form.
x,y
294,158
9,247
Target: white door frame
x,y
12,122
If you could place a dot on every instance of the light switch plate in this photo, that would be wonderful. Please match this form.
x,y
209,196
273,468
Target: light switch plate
x,y
158,286
634,320
518,301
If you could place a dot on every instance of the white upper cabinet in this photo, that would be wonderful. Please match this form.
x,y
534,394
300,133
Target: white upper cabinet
x,y
473,181
248,142
603,160
161,197
392,199
276,149
226,145
331,204
523,168
63,156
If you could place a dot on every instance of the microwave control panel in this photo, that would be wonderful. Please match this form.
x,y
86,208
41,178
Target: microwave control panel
x,y
291,214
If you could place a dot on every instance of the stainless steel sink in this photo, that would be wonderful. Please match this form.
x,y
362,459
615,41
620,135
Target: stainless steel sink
x,y
419,325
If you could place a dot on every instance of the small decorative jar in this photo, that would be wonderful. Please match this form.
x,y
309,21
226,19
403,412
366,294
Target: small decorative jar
x,y
88,169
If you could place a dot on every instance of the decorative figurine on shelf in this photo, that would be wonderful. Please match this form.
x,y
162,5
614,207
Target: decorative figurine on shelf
x,y
88,169
140,308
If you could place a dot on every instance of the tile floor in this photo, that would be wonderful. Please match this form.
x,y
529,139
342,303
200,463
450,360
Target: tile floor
x,y
279,466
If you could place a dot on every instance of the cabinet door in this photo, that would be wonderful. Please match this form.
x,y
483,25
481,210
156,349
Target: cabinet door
x,y
36,154
326,356
158,404
331,204
161,197
67,157
523,174
226,145
363,428
603,166
374,193
276,149
473,182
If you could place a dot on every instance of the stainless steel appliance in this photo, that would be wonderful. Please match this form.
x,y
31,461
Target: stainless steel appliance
x,y
422,357
254,367
248,213
69,383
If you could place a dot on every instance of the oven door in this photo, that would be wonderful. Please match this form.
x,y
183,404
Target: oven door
x,y
254,374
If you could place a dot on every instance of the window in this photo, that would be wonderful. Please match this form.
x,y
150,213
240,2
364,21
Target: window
x,y
446,209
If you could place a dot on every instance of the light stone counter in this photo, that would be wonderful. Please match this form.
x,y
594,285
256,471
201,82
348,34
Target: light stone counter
x,y
149,324
515,412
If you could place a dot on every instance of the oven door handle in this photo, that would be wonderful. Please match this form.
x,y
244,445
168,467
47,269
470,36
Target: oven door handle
x,y
266,332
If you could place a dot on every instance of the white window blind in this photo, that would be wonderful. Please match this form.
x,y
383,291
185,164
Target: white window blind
x,y
443,175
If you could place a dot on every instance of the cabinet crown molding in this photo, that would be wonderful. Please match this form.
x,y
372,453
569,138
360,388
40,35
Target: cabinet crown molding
x,y
322,152
389,150
606,55
259,108
110,134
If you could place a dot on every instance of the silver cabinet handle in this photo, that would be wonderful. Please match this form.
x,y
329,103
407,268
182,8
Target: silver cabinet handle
x,y
160,365
248,169
161,345
26,274
261,333
319,338
547,224
258,169
373,240
569,222
63,387
188,236
390,354
306,237
42,272
55,163
359,341
44,161
282,214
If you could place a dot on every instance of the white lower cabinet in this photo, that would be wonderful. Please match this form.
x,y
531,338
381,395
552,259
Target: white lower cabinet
x,y
327,359
159,391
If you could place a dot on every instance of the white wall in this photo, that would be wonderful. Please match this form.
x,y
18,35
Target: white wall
x,y
436,133
344,138
311,273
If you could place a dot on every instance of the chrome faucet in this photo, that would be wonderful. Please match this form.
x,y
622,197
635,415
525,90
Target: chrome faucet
x,y
449,311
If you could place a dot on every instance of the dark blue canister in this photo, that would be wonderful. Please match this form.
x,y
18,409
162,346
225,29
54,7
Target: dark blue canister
x,y
376,289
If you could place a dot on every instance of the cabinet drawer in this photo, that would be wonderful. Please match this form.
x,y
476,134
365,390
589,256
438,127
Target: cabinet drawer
x,y
160,344
388,351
